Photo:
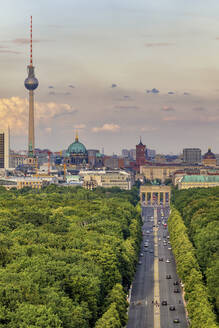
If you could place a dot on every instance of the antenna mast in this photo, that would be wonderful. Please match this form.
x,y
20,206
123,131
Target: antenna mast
x,y
31,41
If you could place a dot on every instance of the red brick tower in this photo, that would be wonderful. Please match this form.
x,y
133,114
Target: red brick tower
x,y
140,154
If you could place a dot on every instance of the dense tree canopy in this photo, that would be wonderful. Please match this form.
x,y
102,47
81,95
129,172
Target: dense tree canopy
x,y
67,256
199,209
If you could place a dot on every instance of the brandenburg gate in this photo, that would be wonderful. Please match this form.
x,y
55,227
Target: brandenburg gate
x,y
151,195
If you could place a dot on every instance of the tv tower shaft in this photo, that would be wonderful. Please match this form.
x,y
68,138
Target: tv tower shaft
x,y
31,134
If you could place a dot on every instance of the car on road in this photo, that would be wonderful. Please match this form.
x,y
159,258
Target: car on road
x,y
147,231
139,262
164,302
172,308
168,276
151,251
176,320
169,248
176,283
141,254
161,259
176,290
168,261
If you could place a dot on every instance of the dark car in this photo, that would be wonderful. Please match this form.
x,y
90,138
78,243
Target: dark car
x,y
151,251
168,276
176,320
172,308
176,283
164,302
176,290
161,259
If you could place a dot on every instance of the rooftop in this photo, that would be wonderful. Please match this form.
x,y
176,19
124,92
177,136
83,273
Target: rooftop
x,y
200,178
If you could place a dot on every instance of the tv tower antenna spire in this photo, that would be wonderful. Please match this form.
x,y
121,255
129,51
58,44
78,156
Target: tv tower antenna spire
x,y
31,83
31,42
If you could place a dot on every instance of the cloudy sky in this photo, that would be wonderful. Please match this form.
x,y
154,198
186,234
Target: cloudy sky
x,y
115,70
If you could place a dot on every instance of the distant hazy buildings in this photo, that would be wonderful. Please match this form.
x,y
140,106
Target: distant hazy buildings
x,y
4,149
150,154
192,155
129,153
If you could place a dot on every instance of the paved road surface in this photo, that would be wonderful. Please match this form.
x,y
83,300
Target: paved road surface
x,y
141,310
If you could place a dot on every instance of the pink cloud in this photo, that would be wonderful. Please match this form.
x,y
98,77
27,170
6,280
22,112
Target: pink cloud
x,y
167,109
107,127
14,113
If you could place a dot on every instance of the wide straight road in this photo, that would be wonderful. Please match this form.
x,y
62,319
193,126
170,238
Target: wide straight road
x,y
151,286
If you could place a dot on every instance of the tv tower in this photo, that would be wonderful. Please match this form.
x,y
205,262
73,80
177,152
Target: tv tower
x,y
31,83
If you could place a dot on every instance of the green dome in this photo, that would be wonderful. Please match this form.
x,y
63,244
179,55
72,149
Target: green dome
x,y
76,148
99,155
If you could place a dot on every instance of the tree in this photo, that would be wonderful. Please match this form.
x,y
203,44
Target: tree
x,y
110,318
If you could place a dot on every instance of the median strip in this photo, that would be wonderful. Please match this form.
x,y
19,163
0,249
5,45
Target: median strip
x,y
156,277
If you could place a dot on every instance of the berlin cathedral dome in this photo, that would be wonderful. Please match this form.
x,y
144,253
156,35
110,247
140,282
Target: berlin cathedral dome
x,y
77,152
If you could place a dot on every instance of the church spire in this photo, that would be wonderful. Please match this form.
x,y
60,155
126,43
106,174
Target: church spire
x,y
76,137
140,143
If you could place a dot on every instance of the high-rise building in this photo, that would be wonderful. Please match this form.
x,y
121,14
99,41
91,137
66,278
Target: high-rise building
x,y
192,155
4,149
125,153
150,153
132,154
31,83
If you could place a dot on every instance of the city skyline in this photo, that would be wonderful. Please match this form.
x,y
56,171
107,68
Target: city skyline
x,y
113,70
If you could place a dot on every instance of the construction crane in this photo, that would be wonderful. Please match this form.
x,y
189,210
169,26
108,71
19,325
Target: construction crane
x,y
64,170
49,154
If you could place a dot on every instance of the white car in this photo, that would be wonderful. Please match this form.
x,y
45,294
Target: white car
x,y
167,261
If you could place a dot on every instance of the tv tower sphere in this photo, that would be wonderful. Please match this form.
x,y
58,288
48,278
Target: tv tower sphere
x,y
31,82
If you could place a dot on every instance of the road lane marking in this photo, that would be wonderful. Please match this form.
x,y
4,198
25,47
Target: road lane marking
x,y
156,277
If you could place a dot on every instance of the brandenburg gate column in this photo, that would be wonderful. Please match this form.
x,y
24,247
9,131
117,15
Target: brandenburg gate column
x,y
164,198
146,198
151,198
158,198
